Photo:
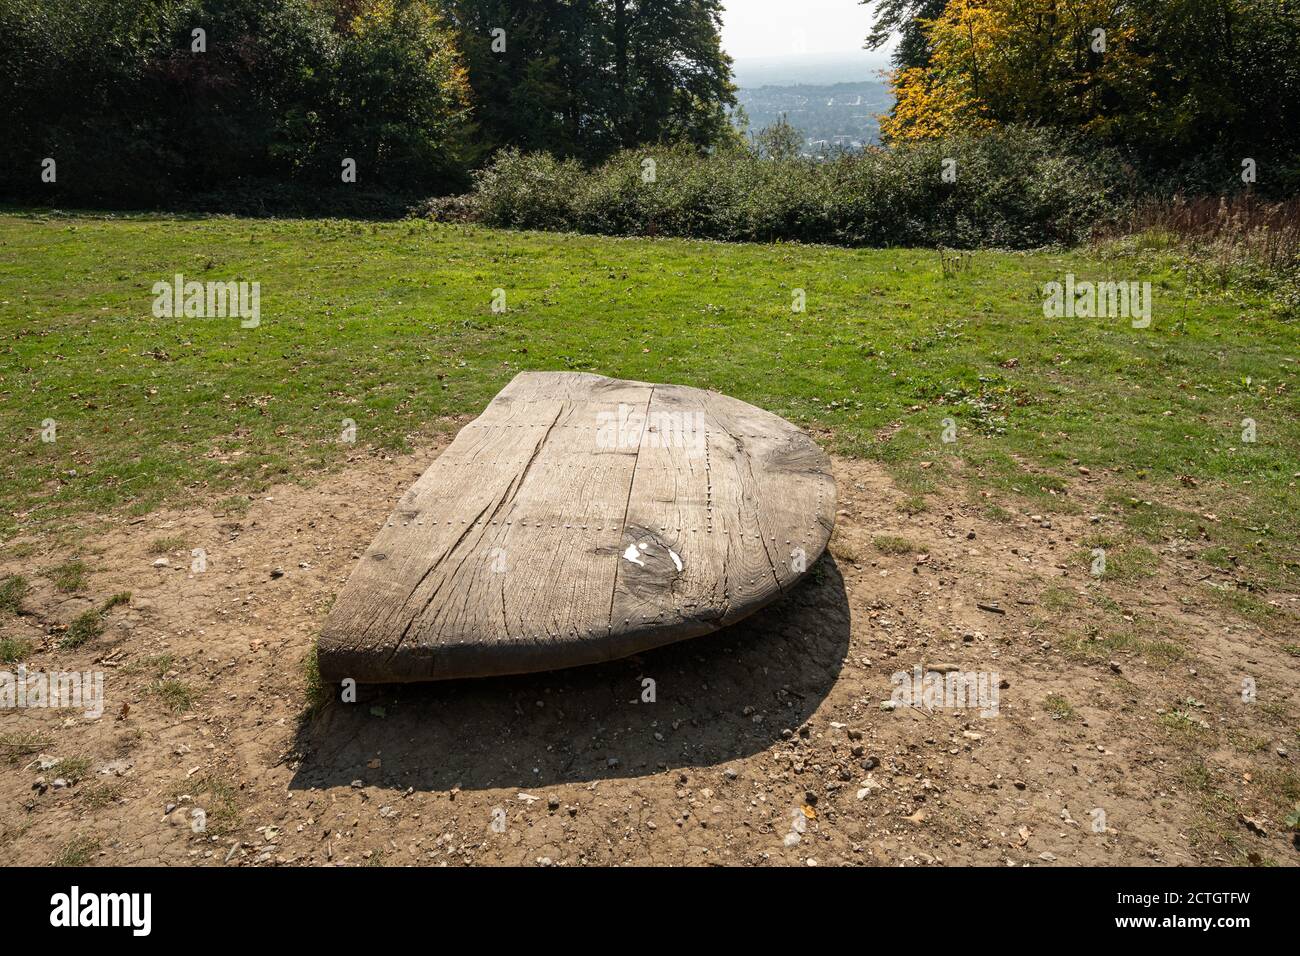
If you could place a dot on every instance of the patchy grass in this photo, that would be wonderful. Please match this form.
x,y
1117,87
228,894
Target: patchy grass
x,y
1241,602
1058,707
12,591
166,544
1058,598
235,506
1101,642
97,798
70,576
14,650
155,666
9,832
85,627
1125,564
1214,826
117,600
222,803
176,696
90,624
71,769
1185,719
14,747
78,851
892,544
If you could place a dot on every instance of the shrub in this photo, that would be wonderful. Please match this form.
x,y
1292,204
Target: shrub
x,y
1017,188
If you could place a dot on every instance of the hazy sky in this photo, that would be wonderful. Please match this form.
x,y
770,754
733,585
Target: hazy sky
x,y
758,28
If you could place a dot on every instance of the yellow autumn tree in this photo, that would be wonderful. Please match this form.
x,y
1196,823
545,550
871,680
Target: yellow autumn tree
x,y
1061,62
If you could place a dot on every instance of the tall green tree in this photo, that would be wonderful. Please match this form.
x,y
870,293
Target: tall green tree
x,y
135,107
903,18
584,78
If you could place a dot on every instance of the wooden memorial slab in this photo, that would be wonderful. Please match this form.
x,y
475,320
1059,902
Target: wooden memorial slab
x,y
581,519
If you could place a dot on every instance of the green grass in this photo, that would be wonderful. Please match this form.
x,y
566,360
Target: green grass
x,y
222,805
14,650
70,576
156,666
117,600
102,796
1126,564
85,627
12,591
1099,643
14,747
71,769
390,325
892,544
176,696
78,851
88,625
1243,602
166,544
1058,707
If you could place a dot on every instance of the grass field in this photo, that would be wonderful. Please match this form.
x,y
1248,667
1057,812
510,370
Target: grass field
x,y
391,325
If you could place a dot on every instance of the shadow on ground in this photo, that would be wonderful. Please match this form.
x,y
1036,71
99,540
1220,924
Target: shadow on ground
x,y
718,698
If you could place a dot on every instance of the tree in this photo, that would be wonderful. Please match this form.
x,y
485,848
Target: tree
x,y
778,141
905,18
1168,79
584,78
136,108
399,96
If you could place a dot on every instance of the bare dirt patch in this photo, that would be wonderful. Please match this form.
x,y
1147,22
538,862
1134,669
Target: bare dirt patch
x,y
1122,735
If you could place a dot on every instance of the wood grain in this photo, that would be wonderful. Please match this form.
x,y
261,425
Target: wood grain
x,y
580,519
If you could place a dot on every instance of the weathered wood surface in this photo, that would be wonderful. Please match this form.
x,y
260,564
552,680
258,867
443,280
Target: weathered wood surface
x,y
581,519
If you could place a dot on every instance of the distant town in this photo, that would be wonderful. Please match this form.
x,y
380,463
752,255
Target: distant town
x,y
830,117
